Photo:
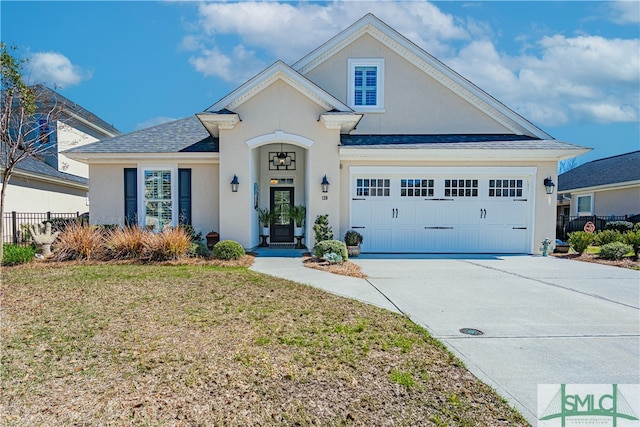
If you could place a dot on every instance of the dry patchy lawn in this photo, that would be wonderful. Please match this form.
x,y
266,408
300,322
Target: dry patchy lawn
x,y
205,345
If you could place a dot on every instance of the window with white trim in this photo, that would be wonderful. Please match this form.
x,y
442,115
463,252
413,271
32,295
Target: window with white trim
x,y
460,188
505,188
158,203
584,205
416,187
373,187
366,84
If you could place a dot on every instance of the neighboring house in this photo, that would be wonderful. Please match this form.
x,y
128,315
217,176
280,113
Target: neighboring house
x,y
608,187
51,181
418,158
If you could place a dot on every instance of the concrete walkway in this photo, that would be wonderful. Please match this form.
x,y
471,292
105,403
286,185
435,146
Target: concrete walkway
x,y
545,320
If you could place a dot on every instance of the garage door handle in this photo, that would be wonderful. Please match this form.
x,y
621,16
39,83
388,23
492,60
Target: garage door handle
x,y
519,228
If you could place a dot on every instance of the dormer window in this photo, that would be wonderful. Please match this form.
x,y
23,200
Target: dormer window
x,y
366,84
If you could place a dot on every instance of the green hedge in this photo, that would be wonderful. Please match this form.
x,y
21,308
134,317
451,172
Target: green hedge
x,y
228,249
615,250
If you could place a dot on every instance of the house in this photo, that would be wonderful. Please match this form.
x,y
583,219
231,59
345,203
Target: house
x,y
369,129
52,182
608,187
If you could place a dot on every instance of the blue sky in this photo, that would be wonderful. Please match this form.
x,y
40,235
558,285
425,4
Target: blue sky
x,y
572,68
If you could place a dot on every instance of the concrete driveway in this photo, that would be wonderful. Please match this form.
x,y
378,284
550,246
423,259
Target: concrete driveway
x,y
545,320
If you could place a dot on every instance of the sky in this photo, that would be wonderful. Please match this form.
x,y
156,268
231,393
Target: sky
x,y
572,68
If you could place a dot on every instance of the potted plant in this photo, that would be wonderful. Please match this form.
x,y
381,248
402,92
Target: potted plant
x,y
353,240
265,216
298,214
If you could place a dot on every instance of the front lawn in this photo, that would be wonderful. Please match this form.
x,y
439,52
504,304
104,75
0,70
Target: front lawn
x,y
201,345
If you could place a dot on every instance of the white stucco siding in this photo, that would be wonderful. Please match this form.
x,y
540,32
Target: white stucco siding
x,y
205,212
106,193
69,137
278,107
414,103
30,195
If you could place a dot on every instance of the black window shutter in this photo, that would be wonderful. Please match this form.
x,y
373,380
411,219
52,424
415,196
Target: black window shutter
x,y
184,196
130,196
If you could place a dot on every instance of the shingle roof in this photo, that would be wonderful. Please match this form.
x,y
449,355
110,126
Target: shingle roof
x,y
40,167
183,135
77,109
610,170
369,140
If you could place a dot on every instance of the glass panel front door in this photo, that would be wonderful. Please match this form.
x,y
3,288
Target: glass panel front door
x,y
282,226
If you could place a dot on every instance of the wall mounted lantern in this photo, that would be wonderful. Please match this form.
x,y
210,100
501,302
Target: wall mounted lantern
x,y
549,185
235,183
325,184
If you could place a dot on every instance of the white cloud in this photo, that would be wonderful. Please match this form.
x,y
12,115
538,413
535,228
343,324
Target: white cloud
x,y
552,81
54,69
625,11
154,122
289,31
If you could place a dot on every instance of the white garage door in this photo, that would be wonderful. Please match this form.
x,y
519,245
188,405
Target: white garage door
x,y
441,211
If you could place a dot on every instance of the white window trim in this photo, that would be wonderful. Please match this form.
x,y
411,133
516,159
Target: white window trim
x,y
366,62
142,215
590,213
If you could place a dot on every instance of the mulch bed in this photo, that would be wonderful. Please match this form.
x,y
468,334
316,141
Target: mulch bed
x,y
344,269
627,262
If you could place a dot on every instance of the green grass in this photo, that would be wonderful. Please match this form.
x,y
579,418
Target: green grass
x,y
198,345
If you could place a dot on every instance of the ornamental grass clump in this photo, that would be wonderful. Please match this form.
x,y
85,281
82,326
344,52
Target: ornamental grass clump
x,y
615,250
78,242
170,244
580,241
125,243
228,250
632,238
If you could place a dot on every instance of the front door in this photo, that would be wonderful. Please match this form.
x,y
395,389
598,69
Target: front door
x,y
282,225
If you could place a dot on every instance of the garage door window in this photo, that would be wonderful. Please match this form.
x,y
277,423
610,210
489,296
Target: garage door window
x,y
461,188
416,187
373,187
505,188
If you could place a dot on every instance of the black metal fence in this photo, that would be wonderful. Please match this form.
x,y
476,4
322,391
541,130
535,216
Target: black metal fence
x,y
566,224
16,224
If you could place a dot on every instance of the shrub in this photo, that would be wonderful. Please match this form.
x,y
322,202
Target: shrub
x,y
580,241
228,249
604,237
322,229
15,254
79,242
636,226
198,249
632,238
352,238
170,244
126,243
331,246
620,226
333,258
195,236
615,250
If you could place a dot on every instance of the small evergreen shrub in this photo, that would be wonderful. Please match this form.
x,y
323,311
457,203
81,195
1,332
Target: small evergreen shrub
x,y
198,249
580,241
228,249
79,242
353,238
195,236
331,246
615,250
15,254
322,229
604,237
333,258
620,226
636,226
632,238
